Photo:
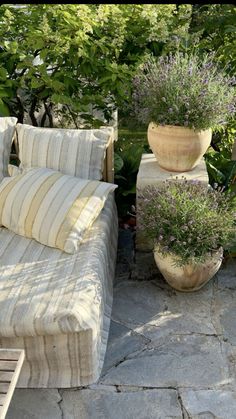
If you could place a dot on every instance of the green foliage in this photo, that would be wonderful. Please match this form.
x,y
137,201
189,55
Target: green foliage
x,y
186,219
183,90
215,27
221,169
126,169
71,59
128,150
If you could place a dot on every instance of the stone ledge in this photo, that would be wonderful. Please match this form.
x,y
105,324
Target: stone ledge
x,y
150,173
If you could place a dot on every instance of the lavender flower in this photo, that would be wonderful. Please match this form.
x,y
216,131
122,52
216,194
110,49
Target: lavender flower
x,y
203,219
169,87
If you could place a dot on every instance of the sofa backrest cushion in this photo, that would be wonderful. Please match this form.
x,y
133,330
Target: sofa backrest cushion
x,y
74,152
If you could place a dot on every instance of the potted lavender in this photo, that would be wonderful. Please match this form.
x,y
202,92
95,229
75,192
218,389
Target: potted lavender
x,y
182,98
189,225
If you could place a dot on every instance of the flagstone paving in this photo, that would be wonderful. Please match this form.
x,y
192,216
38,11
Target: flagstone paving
x,y
169,354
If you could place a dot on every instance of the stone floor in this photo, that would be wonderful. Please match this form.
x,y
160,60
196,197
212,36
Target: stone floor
x,y
169,355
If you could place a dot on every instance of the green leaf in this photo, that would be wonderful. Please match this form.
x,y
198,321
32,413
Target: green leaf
x,y
3,93
231,173
3,73
216,174
119,177
118,162
4,111
36,83
62,99
130,191
57,85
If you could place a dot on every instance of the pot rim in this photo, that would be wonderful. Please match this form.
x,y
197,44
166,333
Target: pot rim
x,y
209,255
154,125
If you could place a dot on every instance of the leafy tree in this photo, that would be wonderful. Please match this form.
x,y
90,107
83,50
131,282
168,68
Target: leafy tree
x,y
74,57
215,25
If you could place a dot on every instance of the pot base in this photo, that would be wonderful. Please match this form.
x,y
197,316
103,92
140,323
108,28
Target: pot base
x,y
190,277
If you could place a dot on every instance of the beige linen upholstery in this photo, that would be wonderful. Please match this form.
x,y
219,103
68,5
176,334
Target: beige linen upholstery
x,y
7,128
75,152
57,306
14,170
52,208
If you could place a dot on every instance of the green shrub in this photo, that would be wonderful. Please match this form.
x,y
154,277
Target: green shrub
x,y
183,90
187,219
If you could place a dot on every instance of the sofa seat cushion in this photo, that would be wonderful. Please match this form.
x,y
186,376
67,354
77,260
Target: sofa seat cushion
x,y
44,291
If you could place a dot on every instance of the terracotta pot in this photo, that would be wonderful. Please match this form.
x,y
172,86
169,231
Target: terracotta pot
x,y
190,277
178,149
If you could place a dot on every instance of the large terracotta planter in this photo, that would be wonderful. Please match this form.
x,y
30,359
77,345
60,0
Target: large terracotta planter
x,y
176,148
190,277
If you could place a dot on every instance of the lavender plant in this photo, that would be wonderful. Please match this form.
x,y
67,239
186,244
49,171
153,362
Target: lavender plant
x,y
186,219
183,90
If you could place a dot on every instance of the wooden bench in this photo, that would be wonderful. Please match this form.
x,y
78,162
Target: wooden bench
x,y
11,361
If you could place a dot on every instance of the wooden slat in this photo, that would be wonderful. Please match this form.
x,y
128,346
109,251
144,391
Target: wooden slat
x,y
7,354
7,365
108,171
4,387
10,366
5,376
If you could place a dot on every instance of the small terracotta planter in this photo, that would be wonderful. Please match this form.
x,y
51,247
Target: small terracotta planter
x,y
190,277
178,149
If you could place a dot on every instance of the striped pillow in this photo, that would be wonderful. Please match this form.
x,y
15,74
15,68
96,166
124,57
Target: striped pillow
x,y
50,207
74,152
7,127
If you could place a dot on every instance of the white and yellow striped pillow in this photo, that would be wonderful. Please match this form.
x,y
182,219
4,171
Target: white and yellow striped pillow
x,y
52,208
7,127
74,152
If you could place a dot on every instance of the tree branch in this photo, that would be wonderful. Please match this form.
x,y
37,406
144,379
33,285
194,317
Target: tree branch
x,y
49,113
31,112
21,109
72,116
43,120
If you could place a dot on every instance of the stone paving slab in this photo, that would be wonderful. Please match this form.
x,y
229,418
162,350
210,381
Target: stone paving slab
x,y
181,361
209,404
122,342
225,301
227,275
146,404
155,310
35,404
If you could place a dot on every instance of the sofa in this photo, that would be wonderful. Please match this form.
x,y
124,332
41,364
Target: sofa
x,y
55,305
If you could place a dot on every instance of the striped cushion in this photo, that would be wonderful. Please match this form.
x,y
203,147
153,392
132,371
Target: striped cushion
x,y
50,207
7,127
74,152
